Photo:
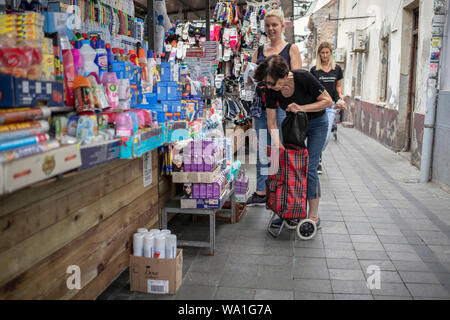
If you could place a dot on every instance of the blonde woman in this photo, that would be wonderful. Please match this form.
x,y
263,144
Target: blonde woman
x,y
330,75
274,26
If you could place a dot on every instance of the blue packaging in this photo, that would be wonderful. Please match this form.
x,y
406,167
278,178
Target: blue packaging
x,y
119,68
167,71
161,91
151,98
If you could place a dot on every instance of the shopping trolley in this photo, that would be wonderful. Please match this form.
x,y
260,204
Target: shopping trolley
x,y
287,192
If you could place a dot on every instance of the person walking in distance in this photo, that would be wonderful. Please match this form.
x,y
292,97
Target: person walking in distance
x,y
330,75
274,26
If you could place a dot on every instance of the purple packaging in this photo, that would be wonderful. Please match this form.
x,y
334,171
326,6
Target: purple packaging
x,y
196,191
216,190
197,147
209,190
208,147
207,163
198,163
187,163
203,191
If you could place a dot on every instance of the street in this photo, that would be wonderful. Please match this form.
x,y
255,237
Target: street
x,y
375,215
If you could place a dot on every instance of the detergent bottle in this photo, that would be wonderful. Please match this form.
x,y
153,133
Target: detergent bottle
x,y
101,58
88,54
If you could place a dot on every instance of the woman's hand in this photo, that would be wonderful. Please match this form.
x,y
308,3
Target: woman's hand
x,y
294,108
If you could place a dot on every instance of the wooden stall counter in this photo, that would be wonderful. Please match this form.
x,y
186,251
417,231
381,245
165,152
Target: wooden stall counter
x,y
86,220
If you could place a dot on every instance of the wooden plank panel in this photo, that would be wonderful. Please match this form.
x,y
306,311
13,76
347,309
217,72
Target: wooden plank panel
x,y
33,194
98,262
38,281
20,225
28,252
95,288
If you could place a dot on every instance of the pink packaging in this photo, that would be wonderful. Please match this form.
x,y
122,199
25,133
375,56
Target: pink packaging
x,y
124,125
140,116
109,80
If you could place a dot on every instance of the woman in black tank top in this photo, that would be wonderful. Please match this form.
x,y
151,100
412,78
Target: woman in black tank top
x,y
274,26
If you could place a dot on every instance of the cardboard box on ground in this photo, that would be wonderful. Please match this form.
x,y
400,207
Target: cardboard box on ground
x,y
159,276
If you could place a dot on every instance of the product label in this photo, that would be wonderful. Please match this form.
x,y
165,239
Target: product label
x,y
103,62
158,286
147,169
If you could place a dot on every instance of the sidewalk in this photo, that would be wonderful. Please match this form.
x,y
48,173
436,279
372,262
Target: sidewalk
x,y
373,214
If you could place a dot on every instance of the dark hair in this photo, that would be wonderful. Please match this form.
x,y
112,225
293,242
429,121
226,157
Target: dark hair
x,y
275,66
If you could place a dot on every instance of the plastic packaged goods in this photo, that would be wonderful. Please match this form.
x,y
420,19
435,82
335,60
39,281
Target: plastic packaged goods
x,y
69,69
98,93
84,100
132,57
13,130
143,64
77,58
88,54
109,55
101,58
87,128
23,114
109,80
124,125
25,151
138,244
24,141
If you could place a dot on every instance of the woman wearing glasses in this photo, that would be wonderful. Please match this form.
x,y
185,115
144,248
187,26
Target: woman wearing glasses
x,y
298,91
274,26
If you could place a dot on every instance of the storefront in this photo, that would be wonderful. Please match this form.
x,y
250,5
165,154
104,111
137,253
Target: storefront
x,y
95,119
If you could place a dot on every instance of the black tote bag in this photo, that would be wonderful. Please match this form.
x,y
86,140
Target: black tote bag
x,y
294,129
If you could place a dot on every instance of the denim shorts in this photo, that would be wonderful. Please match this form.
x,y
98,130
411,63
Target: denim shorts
x,y
316,136
262,158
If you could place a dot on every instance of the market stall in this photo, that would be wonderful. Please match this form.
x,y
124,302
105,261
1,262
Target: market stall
x,y
101,126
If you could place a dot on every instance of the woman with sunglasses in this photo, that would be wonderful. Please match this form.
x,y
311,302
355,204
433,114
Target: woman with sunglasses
x,y
298,91
274,26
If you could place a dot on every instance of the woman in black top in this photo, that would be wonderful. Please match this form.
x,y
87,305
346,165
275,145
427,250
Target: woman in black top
x,y
298,91
330,75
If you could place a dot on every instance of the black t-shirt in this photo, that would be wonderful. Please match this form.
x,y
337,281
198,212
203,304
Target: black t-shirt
x,y
329,80
307,90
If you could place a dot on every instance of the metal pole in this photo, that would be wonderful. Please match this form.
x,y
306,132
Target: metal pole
x,y
208,20
432,89
151,24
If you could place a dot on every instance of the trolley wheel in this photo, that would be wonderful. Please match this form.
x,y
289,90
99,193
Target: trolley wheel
x,y
291,224
306,229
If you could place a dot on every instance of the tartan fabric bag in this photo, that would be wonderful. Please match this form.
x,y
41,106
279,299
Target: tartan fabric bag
x,y
286,190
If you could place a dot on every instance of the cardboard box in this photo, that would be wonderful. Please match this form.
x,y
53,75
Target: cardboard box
x,y
94,155
196,177
160,276
20,92
137,145
26,171
205,203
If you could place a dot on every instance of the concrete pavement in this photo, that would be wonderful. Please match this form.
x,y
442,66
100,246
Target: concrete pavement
x,y
374,214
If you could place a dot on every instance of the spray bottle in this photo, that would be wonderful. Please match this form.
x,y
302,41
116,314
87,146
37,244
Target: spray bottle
x,y
69,69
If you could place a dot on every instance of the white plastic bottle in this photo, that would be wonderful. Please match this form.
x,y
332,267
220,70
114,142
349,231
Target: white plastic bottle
x,y
88,55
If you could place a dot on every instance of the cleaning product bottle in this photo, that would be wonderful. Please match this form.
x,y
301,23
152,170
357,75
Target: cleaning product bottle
x,y
109,55
111,84
116,54
132,56
101,58
88,55
69,69
77,58
124,125
151,70
143,64
123,57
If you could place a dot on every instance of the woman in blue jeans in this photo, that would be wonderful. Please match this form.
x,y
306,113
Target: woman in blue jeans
x,y
298,91
274,26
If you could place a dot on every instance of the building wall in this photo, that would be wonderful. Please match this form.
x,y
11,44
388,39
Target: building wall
x,y
391,18
322,29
